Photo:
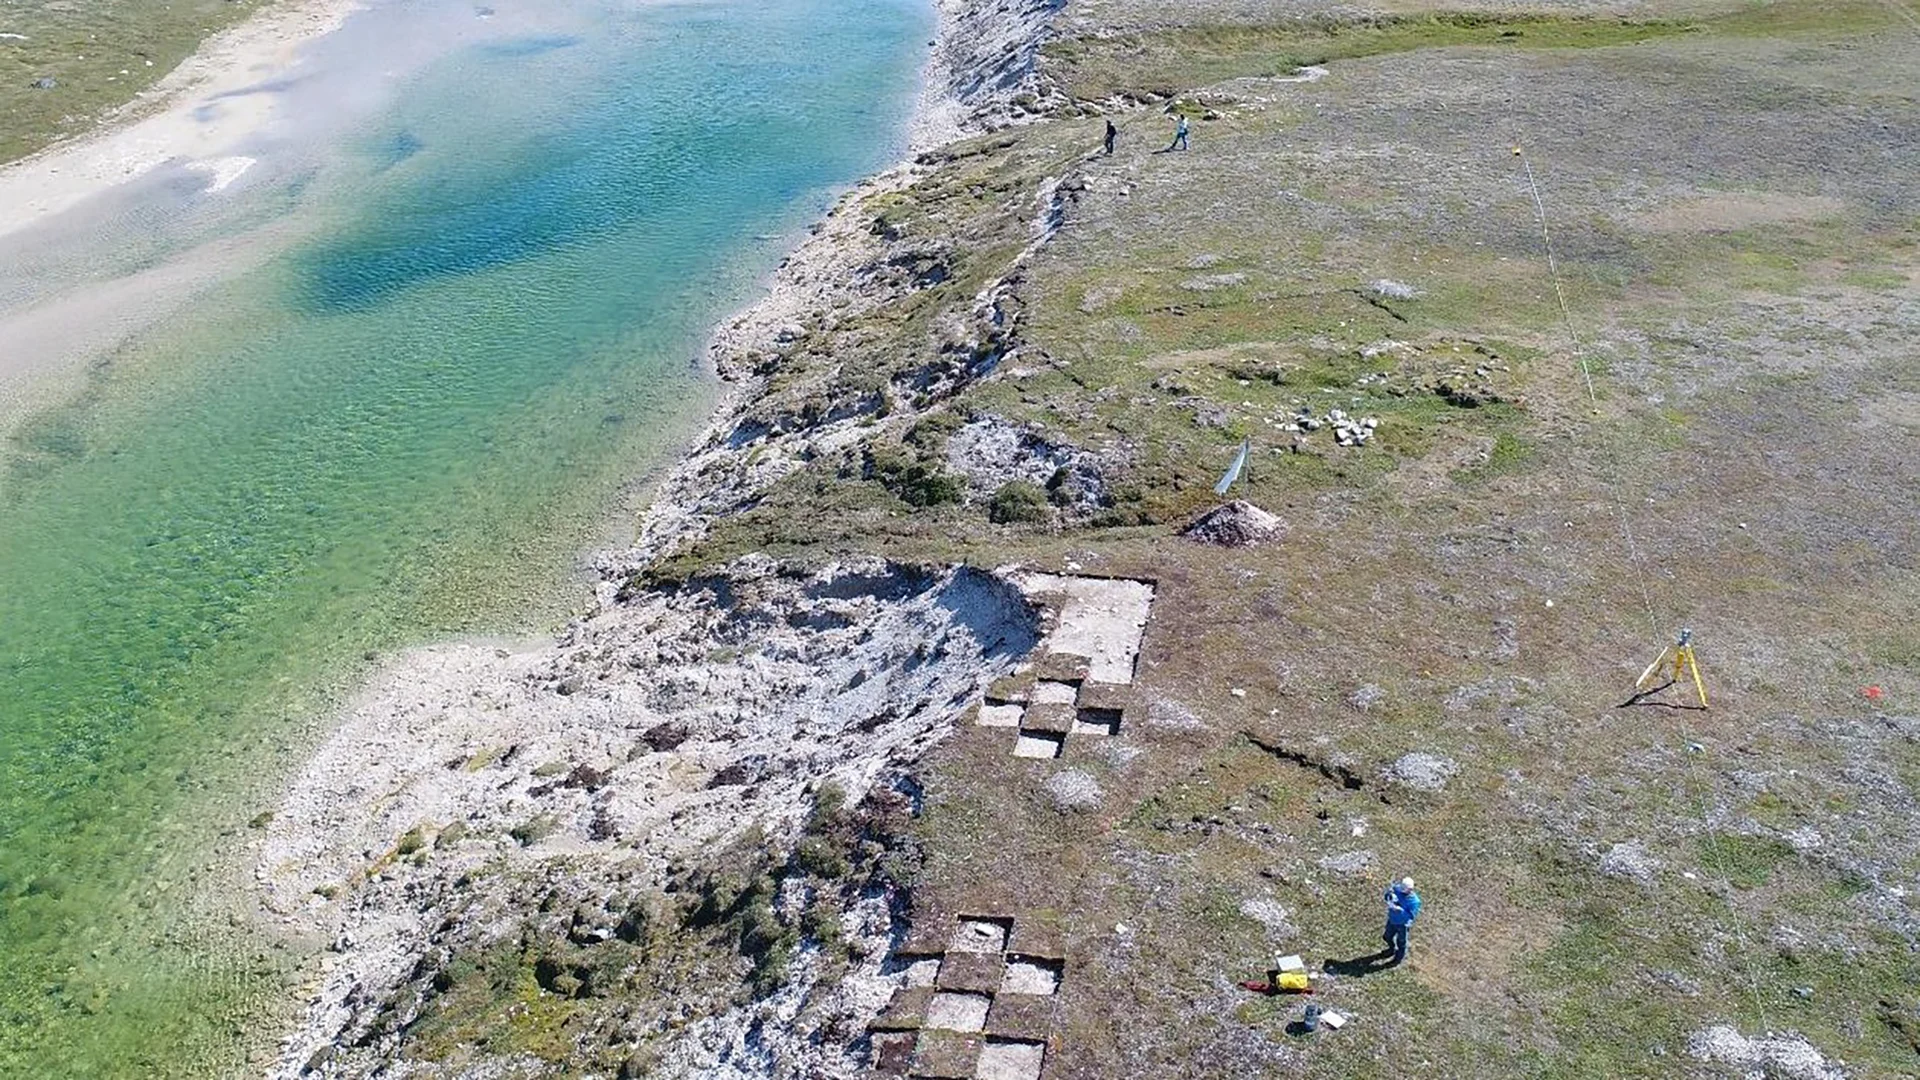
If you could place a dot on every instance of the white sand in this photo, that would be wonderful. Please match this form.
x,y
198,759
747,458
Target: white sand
x,y
179,118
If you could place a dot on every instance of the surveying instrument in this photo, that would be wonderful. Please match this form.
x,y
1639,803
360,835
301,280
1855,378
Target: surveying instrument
x,y
1680,656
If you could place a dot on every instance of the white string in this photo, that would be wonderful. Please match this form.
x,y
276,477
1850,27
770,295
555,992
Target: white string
x,y
1694,785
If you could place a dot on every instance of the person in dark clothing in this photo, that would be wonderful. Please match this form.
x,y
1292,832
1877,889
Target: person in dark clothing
x,y
1112,134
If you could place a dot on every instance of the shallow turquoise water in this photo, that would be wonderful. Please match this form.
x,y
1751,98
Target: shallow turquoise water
x,y
407,425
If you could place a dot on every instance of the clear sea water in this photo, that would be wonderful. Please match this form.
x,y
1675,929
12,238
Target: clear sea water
x,y
466,325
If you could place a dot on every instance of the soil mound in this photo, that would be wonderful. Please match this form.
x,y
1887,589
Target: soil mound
x,y
1235,524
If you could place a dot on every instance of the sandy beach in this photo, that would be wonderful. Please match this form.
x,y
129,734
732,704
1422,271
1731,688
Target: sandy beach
x,y
197,112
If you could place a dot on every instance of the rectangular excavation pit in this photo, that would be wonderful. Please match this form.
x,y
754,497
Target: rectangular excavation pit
x,y
955,1011
981,934
1097,721
1000,715
1039,744
1031,975
1101,622
1048,692
1011,1059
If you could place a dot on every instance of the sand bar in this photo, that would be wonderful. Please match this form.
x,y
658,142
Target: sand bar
x,y
172,121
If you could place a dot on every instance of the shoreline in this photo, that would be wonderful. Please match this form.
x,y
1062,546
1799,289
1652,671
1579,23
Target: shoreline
x,y
382,773
170,121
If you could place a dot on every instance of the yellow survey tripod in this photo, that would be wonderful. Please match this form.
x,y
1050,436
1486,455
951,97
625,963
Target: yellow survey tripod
x,y
1680,656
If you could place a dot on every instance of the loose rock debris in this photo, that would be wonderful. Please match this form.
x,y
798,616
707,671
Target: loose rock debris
x,y
1784,1055
1422,772
1347,430
1630,860
1072,789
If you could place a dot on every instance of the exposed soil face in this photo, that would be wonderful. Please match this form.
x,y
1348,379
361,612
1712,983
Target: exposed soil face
x,y
663,730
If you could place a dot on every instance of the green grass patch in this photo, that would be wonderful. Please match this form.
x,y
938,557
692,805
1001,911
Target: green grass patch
x,y
1747,862
1167,61
99,55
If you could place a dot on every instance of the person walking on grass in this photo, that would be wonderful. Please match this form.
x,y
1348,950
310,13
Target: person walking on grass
x,y
1179,136
1403,907
1112,134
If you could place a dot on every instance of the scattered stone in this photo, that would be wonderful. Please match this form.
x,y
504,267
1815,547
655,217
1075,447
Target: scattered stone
x,y
1036,977
1366,697
1784,1055
1349,862
980,935
1388,289
1270,914
1804,839
1173,716
1235,524
45,84
1630,860
1210,282
1071,789
661,738
1422,772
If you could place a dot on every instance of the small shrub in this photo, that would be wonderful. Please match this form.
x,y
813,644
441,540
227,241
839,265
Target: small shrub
x,y
528,833
414,839
917,481
1017,503
821,857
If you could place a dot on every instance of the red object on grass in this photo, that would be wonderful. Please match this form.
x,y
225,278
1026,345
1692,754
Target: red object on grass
x,y
1874,693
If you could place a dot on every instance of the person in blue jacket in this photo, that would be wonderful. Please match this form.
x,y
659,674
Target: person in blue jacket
x,y
1403,907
